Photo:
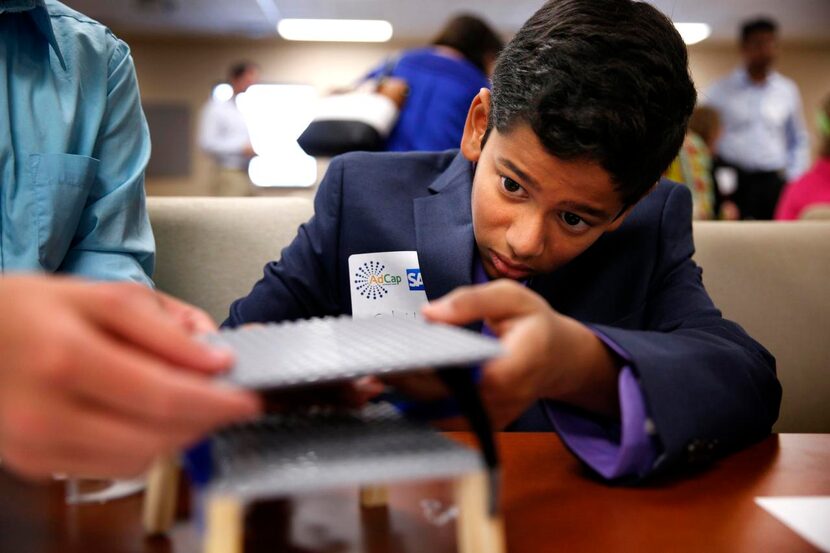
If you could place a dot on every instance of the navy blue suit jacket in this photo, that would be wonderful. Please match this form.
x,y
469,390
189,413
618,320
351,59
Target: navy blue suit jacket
x,y
708,386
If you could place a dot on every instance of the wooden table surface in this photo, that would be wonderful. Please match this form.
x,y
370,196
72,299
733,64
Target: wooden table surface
x,y
550,504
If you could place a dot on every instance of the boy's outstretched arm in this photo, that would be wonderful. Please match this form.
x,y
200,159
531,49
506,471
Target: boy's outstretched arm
x,y
549,355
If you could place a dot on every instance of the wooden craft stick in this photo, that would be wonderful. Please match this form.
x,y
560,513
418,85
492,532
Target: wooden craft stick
x,y
161,496
476,530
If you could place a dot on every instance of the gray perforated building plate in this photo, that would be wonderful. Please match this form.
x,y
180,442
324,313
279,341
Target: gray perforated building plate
x,y
315,351
281,455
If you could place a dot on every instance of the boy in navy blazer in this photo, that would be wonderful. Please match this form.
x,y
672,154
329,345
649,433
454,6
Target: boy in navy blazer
x,y
551,226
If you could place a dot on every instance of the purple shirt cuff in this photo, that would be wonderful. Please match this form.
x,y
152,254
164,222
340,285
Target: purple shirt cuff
x,y
612,449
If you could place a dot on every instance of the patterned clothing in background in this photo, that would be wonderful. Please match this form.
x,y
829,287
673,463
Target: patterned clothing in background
x,y
693,167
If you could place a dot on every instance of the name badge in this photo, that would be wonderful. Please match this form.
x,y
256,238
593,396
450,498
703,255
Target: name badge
x,y
386,284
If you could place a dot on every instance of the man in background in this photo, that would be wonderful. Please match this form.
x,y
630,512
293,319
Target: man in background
x,y
764,137
223,135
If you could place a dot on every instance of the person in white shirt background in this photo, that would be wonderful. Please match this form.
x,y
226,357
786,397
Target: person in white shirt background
x,y
223,135
764,136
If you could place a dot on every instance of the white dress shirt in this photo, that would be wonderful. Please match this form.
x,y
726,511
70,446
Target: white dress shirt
x,y
763,125
223,134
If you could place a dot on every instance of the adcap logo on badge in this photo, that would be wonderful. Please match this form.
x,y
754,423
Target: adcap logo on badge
x,y
372,281
386,284
414,279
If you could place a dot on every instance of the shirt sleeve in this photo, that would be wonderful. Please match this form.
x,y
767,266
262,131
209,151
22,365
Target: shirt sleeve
x,y
216,138
114,240
798,141
613,449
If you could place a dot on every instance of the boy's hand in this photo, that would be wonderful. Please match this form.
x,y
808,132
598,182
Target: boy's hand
x,y
98,379
548,355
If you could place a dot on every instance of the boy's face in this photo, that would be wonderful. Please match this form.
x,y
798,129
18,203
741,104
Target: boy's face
x,y
532,212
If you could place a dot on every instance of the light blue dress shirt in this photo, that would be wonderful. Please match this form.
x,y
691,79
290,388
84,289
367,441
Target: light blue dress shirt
x,y
73,147
763,125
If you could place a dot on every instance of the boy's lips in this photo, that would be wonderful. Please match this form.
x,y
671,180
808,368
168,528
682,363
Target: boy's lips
x,y
509,269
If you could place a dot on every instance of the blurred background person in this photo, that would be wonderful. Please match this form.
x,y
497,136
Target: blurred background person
x,y
223,135
764,137
813,188
693,164
442,79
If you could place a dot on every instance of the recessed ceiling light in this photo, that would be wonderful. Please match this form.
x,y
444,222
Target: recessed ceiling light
x,y
335,30
692,33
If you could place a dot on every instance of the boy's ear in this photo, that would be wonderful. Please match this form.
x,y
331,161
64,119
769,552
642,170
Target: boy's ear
x,y
476,126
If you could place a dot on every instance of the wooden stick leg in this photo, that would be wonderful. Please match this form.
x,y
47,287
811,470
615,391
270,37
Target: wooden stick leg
x,y
374,496
224,525
161,496
476,530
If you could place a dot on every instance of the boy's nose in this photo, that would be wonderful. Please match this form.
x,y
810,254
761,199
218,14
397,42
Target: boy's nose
x,y
526,237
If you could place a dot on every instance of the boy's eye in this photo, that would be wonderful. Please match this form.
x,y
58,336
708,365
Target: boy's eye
x,y
510,185
574,221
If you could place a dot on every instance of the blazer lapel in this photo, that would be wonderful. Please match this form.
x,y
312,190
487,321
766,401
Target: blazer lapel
x,y
444,230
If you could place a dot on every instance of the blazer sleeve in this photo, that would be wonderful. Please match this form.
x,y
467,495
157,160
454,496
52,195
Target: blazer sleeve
x,y
709,387
303,283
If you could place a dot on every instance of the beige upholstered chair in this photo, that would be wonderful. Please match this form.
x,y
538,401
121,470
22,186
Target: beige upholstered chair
x,y
210,251
816,212
772,278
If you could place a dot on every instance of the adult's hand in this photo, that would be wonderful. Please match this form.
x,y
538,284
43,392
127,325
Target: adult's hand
x,y
97,379
192,319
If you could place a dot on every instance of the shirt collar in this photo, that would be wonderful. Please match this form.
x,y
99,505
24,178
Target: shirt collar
x,y
742,75
40,15
17,5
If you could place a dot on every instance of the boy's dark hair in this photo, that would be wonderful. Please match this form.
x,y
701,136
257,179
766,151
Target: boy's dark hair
x,y
599,80
757,25
240,68
472,37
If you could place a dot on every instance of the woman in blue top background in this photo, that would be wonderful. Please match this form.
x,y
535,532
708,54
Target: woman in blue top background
x,y
442,79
